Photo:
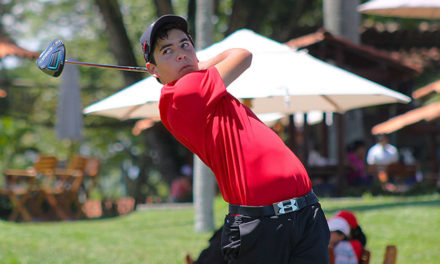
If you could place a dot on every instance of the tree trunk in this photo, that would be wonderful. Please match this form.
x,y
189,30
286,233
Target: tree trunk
x,y
191,17
248,14
163,7
204,189
119,42
342,19
204,181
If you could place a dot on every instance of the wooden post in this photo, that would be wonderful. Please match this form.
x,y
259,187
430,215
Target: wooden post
x,y
324,136
306,130
434,163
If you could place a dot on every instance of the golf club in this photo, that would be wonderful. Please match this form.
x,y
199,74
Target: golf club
x,y
52,59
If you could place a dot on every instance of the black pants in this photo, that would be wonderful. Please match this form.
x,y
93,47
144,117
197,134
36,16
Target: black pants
x,y
300,237
213,253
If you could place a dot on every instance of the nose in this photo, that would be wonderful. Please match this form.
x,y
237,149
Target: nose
x,y
180,56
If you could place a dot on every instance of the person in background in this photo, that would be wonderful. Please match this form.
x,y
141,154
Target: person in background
x,y
181,187
382,153
356,158
342,248
380,156
357,238
181,190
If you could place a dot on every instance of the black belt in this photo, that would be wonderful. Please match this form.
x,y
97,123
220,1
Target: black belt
x,y
277,208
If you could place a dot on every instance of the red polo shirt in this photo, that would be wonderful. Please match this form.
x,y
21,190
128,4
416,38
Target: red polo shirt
x,y
252,164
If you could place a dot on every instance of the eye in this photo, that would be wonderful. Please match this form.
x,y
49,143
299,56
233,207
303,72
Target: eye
x,y
166,51
185,45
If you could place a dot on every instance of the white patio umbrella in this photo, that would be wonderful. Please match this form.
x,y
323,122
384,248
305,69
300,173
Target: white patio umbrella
x,y
429,9
279,80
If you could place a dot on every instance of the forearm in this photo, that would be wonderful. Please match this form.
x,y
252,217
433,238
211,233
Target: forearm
x,y
230,63
203,65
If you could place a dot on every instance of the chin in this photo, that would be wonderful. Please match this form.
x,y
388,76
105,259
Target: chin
x,y
187,70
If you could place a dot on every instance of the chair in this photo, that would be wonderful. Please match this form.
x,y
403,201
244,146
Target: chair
x,y
18,189
91,172
21,184
390,256
365,257
331,255
48,187
69,181
77,180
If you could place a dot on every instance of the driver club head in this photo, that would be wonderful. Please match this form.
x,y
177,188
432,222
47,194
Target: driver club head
x,y
51,60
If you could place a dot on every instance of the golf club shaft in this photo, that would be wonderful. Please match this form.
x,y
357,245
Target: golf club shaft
x,y
123,68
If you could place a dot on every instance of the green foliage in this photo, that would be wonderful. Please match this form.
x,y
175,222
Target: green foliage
x,y
15,137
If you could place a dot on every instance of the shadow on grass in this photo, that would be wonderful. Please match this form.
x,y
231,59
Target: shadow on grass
x,y
386,205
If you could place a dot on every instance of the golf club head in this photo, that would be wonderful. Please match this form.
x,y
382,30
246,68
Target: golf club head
x,y
51,60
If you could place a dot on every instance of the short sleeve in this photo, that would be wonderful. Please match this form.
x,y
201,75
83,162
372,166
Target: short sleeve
x,y
199,91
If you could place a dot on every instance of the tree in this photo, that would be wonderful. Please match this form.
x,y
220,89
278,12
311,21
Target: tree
x,y
119,42
204,181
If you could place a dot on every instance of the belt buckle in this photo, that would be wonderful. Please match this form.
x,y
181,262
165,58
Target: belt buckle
x,y
285,207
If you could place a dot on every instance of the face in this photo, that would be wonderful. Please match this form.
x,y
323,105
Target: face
x,y
335,237
174,56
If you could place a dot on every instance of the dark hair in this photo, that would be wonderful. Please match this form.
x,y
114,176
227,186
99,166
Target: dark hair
x,y
355,145
381,137
358,234
162,33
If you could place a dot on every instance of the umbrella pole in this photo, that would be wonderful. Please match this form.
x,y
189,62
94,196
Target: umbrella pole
x,y
340,145
291,132
324,136
72,147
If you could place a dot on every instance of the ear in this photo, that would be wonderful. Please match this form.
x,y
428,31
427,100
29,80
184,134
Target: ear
x,y
152,69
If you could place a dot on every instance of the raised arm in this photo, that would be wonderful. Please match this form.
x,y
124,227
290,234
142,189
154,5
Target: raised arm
x,y
230,64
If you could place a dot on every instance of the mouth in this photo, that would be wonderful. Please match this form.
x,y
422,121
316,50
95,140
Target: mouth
x,y
185,68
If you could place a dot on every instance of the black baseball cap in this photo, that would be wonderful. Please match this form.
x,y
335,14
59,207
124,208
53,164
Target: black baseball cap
x,y
148,37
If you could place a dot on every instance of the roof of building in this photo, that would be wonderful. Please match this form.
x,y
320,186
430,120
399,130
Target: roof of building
x,y
364,60
426,90
9,48
425,113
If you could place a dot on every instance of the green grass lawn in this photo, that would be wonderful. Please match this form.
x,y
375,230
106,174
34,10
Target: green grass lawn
x,y
166,235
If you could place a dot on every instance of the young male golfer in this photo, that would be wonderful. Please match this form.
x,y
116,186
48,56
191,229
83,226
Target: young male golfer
x,y
274,216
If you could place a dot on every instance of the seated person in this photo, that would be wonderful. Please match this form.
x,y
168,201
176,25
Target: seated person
x,y
382,153
342,248
357,237
356,156
380,156
181,190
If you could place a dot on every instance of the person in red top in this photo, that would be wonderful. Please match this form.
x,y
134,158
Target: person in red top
x,y
274,216
356,236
